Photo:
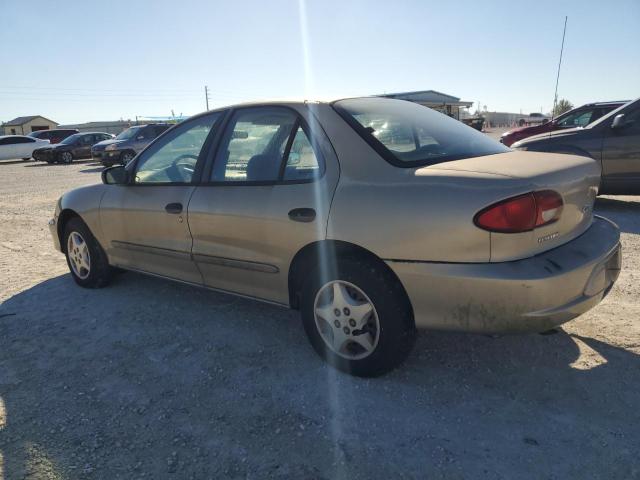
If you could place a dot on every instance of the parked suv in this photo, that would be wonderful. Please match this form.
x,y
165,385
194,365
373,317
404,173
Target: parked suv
x,y
71,148
55,135
127,144
578,117
613,141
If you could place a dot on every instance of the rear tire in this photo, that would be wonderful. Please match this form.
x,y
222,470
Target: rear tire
x,y
390,328
86,259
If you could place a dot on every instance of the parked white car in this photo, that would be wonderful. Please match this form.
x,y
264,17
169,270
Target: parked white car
x,y
19,146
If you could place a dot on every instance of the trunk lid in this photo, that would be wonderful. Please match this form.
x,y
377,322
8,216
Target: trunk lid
x,y
575,178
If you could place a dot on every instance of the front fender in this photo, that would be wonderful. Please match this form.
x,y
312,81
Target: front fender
x,y
85,203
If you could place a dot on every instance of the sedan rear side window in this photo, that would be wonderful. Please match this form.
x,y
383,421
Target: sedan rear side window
x,y
254,145
407,134
302,163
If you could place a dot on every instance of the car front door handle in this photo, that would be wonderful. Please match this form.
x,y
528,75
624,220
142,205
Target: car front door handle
x,y
174,208
302,215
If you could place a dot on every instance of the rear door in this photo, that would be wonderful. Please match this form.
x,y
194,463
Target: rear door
x,y
82,148
144,222
621,154
24,147
267,196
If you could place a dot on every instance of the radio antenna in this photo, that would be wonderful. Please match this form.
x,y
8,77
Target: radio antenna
x,y
555,97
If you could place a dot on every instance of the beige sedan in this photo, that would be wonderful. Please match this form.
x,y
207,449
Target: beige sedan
x,y
371,216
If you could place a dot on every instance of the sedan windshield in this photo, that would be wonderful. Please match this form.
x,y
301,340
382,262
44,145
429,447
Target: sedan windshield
x,y
407,134
71,139
128,133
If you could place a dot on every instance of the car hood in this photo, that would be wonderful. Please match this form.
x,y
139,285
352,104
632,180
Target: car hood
x,y
105,143
570,132
532,129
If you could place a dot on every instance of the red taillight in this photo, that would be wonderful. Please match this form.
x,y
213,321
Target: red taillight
x,y
522,213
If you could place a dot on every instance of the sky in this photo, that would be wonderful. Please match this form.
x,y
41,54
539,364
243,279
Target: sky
x,y
78,61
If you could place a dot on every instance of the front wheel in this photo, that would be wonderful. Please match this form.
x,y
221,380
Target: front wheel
x,y
126,157
66,157
358,318
86,260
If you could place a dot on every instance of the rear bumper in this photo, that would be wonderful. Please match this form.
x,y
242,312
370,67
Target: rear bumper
x,y
533,294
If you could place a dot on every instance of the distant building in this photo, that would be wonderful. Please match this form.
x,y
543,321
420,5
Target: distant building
x,y
116,126
26,125
447,104
113,127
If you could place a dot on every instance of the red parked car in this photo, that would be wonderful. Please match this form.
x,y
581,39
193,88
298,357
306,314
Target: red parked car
x,y
55,135
578,117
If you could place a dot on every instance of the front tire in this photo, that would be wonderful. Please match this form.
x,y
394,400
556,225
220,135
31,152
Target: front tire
x,y
66,157
126,157
358,318
86,259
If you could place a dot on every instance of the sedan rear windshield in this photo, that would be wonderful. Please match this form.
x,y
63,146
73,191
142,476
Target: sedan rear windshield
x,y
407,134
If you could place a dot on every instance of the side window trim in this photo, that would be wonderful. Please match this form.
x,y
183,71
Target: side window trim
x,y
155,145
301,122
287,149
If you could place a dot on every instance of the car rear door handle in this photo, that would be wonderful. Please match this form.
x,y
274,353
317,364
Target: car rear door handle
x,y
173,208
302,215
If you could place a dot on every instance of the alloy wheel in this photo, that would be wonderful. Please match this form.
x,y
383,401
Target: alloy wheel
x,y
346,320
78,253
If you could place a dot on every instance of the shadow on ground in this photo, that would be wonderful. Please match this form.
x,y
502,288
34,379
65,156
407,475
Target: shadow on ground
x,y
152,377
45,164
12,162
625,212
93,169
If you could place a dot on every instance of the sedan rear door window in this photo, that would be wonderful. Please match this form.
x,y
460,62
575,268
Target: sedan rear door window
x,y
253,146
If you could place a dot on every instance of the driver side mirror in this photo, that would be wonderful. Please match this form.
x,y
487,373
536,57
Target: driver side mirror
x,y
619,121
116,175
140,137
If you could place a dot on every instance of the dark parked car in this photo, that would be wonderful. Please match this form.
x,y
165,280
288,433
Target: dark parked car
x,y
127,145
578,117
55,135
71,148
613,141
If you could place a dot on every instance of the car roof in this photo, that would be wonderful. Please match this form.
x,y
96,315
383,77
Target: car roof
x,y
604,104
13,136
613,113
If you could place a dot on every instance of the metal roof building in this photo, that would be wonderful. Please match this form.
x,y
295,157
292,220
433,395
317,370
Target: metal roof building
x,y
447,104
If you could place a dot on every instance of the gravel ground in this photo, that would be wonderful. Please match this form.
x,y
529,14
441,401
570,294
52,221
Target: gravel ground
x,y
151,379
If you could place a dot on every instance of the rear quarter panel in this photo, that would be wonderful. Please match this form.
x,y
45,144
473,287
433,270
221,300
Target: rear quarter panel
x,y
408,213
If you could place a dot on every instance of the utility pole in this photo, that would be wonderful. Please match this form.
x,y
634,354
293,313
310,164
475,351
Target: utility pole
x,y
206,96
